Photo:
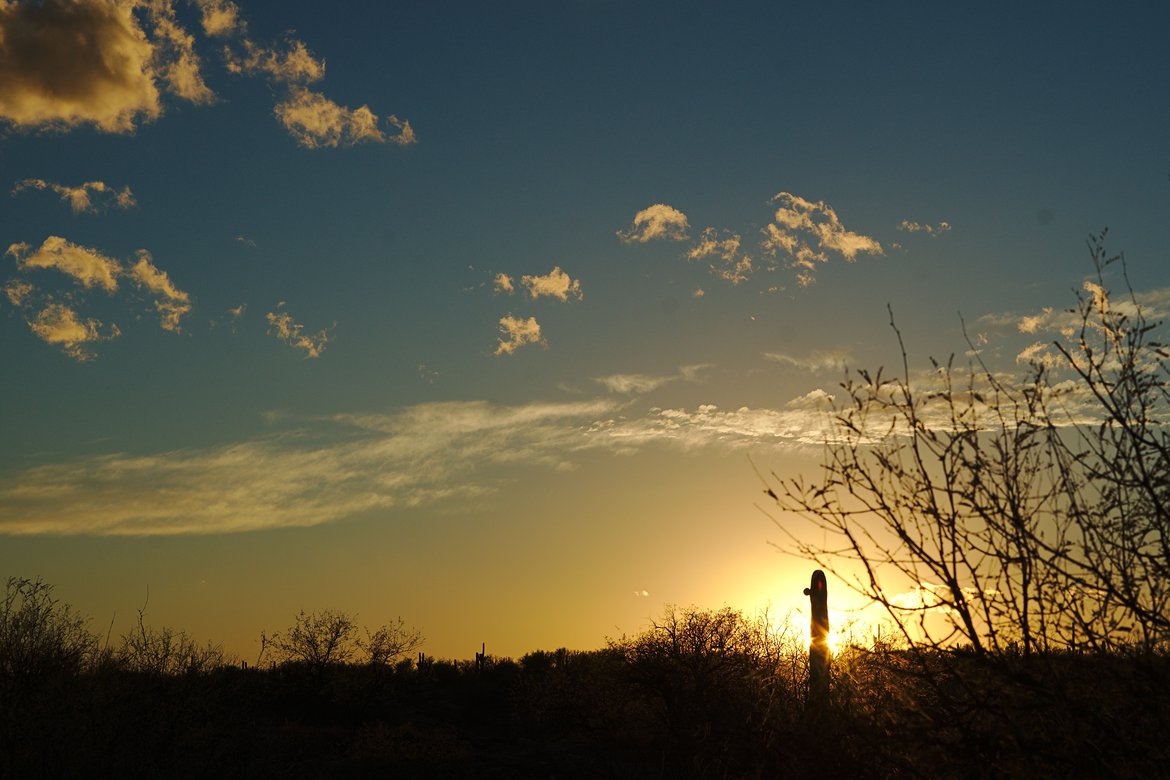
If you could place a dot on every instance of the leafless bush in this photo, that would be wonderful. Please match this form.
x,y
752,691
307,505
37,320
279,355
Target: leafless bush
x,y
166,651
39,635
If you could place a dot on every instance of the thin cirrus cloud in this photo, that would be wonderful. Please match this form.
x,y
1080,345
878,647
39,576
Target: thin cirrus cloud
x,y
415,456
108,63
625,384
628,384
85,198
51,312
833,360
284,328
327,469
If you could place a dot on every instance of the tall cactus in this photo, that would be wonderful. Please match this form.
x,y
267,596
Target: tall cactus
x,y
818,649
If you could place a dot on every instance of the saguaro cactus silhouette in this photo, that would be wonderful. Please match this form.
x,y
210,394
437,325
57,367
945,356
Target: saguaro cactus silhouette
x,y
818,648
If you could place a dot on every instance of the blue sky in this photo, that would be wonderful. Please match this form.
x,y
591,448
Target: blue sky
x,y
316,386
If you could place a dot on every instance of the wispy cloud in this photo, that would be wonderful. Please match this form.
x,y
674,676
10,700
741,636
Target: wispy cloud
x,y
322,470
85,198
1065,323
516,333
282,325
918,227
657,221
807,231
555,284
736,267
52,314
315,121
87,266
60,325
817,362
312,119
709,426
325,470
633,383
178,64
172,303
231,317
294,65
626,384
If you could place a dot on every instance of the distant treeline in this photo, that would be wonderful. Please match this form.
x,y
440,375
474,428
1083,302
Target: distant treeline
x,y
698,693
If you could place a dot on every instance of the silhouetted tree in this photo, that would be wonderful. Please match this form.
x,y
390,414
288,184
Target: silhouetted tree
x,y
321,639
316,639
390,642
1001,514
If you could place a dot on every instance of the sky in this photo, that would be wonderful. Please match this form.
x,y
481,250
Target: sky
x,y
486,315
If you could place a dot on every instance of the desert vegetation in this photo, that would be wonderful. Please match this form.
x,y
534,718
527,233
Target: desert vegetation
x,y
698,693
1028,518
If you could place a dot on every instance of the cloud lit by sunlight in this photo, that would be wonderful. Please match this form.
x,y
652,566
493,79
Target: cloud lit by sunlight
x,y
85,198
315,121
420,454
657,221
516,333
286,329
807,230
917,227
88,266
171,302
555,284
60,325
52,312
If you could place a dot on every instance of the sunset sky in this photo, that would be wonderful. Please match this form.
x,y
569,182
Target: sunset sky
x,y
485,314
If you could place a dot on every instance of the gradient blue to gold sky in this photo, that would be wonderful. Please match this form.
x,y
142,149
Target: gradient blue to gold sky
x,y
481,313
